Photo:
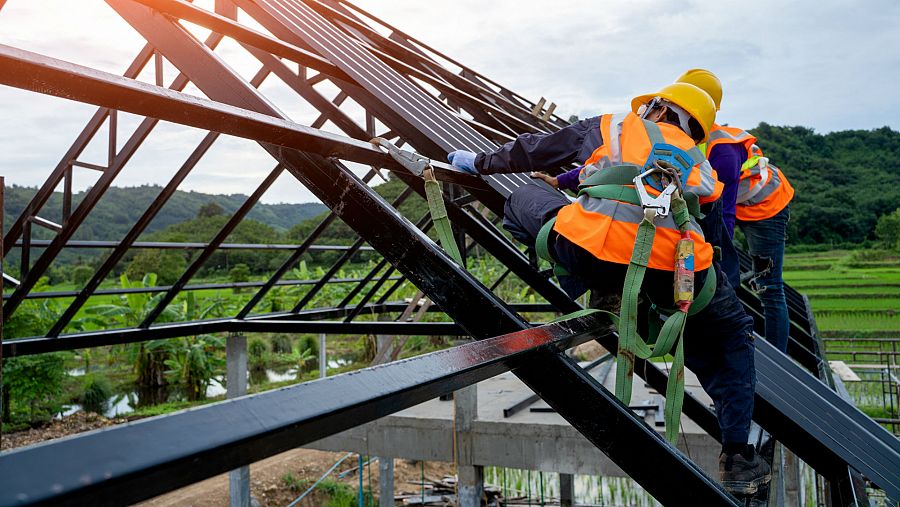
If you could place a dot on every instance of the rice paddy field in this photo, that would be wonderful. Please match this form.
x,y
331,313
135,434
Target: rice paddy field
x,y
854,294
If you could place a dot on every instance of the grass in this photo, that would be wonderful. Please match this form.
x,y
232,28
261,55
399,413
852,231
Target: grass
x,y
848,321
874,290
855,304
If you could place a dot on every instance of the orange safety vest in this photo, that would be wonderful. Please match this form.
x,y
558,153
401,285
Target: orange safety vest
x,y
728,135
763,190
607,228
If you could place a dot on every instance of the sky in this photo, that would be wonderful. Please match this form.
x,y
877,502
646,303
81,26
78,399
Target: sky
x,y
828,64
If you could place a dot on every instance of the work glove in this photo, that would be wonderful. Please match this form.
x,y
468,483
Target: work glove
x,y
464,160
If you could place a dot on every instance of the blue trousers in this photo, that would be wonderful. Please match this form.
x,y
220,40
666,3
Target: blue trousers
x,y
718,342
765,240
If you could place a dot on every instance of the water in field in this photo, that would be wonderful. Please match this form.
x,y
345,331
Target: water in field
x,y
520,486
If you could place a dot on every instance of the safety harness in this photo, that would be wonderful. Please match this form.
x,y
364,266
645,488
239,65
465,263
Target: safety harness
x,y
625,183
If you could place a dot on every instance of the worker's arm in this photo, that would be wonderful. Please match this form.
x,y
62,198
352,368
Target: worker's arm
x,y
727,160
541,152
569,179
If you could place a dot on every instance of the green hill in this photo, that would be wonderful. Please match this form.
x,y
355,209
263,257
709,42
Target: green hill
x,y
120,207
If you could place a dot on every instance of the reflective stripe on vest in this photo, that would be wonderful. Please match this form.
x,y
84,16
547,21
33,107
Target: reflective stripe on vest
x,y
607,228
634,138
763,191
730,135
626,212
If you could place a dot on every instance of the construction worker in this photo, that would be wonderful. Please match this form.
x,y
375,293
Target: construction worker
x,y
593,239
756,198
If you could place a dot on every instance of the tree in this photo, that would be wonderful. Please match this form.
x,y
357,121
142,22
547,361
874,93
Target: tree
x,y
887,229
210,209
82,274
238,274
130,310
36,382
167,266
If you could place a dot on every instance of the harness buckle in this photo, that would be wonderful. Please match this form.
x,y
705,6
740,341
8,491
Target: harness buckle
x,y
659,204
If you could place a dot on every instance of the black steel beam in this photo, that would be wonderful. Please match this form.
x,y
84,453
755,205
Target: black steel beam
x,y
40,345
139,460
358,327
42,74
824,430
200,286
64,167
166,245
210,249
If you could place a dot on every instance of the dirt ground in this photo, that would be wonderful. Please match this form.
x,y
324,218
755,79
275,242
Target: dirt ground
x,y
267,477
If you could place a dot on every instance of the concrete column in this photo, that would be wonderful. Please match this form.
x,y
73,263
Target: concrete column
x,y
236,385
471,476
385,481
566,490
323,357
791,478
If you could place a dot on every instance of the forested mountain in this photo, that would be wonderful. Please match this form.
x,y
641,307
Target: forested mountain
x,y
844,181
120,207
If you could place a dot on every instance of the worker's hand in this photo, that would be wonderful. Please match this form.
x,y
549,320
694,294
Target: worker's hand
x,y
550,180
464,160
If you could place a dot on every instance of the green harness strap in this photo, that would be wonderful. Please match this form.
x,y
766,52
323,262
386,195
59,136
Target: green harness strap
x,y
442,226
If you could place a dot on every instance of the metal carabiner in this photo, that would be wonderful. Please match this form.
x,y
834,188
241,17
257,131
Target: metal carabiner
x,y
661,203
415,163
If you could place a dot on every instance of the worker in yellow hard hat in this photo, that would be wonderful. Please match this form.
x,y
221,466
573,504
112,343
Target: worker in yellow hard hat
x,y
594,238
756,198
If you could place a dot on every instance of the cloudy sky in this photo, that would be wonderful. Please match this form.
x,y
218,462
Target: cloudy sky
x,y
826,64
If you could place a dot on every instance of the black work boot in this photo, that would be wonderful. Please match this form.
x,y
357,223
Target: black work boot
x,y
743,472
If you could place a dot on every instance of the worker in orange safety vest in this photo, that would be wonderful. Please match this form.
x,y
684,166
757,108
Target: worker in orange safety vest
x,y
594,239
756,198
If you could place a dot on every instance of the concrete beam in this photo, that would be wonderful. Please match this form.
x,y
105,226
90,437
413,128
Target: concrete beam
x,y
470,476
566,490
236,385
385,481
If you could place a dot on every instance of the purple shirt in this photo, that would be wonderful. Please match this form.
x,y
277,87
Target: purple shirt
x,y
727,160
569,179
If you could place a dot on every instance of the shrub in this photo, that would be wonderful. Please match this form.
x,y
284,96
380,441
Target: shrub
x,y
257,349
308,342
95,393
281,344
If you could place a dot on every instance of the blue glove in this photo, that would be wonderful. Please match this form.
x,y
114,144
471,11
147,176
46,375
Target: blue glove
x,y
464,160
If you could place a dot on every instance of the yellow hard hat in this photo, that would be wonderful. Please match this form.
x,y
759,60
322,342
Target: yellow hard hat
x,y
706,81
692,99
